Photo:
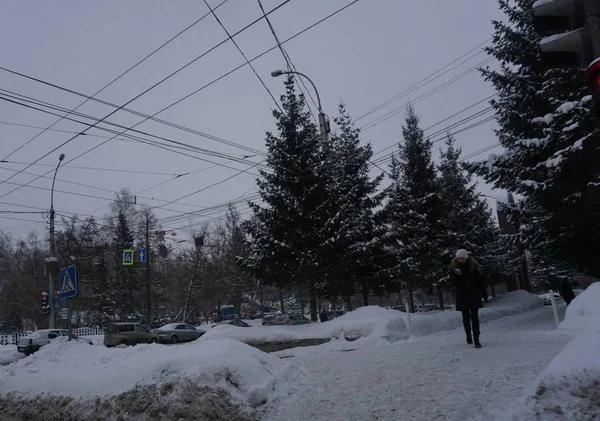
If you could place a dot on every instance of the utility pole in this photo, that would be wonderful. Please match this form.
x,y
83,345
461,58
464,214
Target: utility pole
x,y
148,291
52,261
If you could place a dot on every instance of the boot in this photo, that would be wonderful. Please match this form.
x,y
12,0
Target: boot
x,y
477,343
467,326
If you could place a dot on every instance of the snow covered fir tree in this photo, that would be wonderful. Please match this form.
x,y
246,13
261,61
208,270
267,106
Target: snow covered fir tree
x,y
550,136
413,210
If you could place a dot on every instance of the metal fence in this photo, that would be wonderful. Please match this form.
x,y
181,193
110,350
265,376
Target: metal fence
x,y
13,338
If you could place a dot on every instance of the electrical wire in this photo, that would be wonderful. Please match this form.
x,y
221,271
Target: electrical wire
x,y
421,83
251,60
426,95
114,80
15,98
131,100
262,82
289,63
158,120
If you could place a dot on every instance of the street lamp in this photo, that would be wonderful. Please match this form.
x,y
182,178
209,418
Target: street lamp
x,y
52,260
323,123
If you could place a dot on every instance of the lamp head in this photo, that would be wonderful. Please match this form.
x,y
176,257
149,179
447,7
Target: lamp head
x,y
277,73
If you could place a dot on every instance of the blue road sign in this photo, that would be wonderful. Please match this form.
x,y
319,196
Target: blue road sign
x,y
142,255
68,282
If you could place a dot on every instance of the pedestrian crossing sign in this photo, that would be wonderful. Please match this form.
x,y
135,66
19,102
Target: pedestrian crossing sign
x,y
128,257
68,282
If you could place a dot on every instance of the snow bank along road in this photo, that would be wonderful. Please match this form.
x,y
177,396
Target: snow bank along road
x,y
437,377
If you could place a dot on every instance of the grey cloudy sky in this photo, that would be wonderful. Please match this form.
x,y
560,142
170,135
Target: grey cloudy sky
x,y
365,55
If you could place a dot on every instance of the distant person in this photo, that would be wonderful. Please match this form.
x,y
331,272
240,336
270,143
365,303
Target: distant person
x,y
467,279
566,291
323,316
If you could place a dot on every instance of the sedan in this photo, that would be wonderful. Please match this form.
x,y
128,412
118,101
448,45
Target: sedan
x,y
236,322
177,332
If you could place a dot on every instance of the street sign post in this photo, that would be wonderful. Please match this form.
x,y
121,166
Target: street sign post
x,y
128,257
142,255
68,289
68,282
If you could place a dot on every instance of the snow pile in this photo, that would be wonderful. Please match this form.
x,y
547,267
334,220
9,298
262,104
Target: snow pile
x,y
569,388
373,325
584,310
9,353
247,374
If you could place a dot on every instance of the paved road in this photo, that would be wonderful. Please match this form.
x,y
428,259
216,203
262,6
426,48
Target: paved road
x,y
433,378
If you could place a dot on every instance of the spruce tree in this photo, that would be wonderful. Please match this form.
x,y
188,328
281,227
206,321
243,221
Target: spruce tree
x,y
353,194
286,232
550,136
412,211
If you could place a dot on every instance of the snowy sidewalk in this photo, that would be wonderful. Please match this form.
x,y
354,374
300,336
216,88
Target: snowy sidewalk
x,y
437,377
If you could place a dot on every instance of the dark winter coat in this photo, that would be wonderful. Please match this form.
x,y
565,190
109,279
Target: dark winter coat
x,y
566,291
323,316
469,285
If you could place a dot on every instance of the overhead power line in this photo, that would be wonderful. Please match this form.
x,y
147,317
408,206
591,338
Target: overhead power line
x,y
131,100
180,127
290,65
426,95
262,82
257,57
427,79
116,79
16,98
439,122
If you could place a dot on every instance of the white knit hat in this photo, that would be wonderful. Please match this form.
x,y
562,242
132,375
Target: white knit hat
x,y
462,253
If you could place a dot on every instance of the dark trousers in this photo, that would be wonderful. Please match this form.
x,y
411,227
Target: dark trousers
x,y
471,317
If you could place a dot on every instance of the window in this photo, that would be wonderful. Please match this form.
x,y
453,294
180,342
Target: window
x,y
140,328
190,328
112,329
180,327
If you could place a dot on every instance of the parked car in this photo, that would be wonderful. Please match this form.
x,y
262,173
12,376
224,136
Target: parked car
x,y
235,322
332,314
292,319
128,333
35,340
268,319
178,332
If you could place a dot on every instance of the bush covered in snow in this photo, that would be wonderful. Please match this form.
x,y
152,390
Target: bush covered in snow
x,y
569,388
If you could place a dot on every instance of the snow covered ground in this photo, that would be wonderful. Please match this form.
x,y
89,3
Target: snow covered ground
x,y
77,370
373,325
435,377
569,388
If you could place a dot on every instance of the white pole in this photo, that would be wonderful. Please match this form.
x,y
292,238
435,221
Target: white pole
x,y
554,310
408,319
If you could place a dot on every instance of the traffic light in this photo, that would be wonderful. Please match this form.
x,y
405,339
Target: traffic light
x,y
592,80
45,306
570,31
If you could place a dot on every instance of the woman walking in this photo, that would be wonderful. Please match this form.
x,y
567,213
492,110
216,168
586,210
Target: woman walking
x,y
470,292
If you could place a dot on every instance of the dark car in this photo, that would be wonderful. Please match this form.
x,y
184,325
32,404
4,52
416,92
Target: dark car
x,y
235,322
128,334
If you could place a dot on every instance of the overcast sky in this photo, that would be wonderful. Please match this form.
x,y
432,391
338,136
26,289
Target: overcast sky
x,y
364,55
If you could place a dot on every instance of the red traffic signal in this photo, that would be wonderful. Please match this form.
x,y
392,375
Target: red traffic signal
x,y
592,77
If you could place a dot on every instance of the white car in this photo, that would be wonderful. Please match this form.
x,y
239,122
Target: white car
x,y
34,341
